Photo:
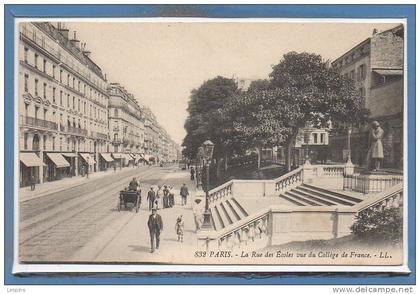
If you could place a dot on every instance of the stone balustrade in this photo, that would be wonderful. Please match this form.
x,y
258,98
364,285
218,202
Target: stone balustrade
x,y
220,192
289,180
277,225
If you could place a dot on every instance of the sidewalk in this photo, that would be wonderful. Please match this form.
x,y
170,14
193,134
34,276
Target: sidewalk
x,y
46,188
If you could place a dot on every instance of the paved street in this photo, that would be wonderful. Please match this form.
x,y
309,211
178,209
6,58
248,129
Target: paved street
x,y
82,223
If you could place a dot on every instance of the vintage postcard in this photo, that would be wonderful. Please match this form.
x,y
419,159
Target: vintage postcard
x,y
143,144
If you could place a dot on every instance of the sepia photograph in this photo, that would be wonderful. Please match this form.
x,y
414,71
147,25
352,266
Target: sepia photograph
x,y
257,142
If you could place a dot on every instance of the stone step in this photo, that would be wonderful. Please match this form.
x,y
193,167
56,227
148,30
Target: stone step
x,y
318,199
226,213
294,201
234,212
217,219
343,196
240,207
301,199
314,200
328,196
222,216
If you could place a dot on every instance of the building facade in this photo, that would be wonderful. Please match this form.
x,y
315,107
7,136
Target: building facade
x,y
63,105
71,121
126,125
376,66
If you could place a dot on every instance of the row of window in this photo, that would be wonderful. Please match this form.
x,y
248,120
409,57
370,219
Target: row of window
x,y
94,112
61,122
360,75
70,144
71,81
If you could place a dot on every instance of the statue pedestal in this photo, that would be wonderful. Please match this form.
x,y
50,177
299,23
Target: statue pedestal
x,y
372,181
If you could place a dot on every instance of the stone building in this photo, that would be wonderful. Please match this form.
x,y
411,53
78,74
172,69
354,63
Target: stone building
x,y
376,66
309,141
63,105
126,126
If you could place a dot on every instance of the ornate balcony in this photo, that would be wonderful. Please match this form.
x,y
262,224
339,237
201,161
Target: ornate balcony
x,y
36,122
77,131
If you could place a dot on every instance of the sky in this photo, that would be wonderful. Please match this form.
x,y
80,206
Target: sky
x,y
161,62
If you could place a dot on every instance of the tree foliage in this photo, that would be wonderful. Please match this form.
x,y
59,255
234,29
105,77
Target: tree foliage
x,y
301,91
204,120
379,225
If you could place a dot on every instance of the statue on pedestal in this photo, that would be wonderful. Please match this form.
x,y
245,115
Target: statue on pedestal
x,y
376,151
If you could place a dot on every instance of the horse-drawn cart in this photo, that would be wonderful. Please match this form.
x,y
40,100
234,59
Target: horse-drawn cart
x,y
129,198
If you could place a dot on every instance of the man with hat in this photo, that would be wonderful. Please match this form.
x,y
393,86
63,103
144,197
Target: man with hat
x,y
155,225
151,196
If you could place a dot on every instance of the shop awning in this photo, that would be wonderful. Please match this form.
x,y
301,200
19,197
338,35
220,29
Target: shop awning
x,y
69,154
117,155
389,72
58,160
88,158
107,157
128,157
144,157
30,159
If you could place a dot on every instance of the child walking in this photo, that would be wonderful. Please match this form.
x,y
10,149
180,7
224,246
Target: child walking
x,y
179,228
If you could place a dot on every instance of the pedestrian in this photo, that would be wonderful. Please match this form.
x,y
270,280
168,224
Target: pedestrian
x,y
184,193
87,171
179,228
192,172
165,197
32,182
82,170
158,197
151,196
155,225
115,167
171,197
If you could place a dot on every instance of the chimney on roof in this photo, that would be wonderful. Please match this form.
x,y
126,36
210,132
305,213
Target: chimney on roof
x,y
63,31
75,41
375,31
83,48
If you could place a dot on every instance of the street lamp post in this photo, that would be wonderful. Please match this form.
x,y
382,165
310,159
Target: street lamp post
x,y
348,144
208,147
87,169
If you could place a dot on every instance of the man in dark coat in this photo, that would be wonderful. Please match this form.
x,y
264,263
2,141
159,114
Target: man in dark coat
x,y
184,193
151,196
155,225
133,185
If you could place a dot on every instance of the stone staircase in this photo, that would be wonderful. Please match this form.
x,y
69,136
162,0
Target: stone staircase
x,y
226,213
308,195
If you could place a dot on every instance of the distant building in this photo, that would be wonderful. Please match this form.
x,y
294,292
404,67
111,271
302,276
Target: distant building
x,y
126,125
313,141
63,105
376,66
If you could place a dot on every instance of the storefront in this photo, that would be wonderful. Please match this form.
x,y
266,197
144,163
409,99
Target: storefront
x,y
73,160
30,163
105,161
118,160
58,166
87,166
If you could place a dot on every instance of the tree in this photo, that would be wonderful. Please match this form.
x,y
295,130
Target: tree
x,y
320,95
204,120
258,118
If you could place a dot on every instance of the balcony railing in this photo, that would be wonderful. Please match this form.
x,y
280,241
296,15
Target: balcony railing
x,y
77,131
99,135
36,122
